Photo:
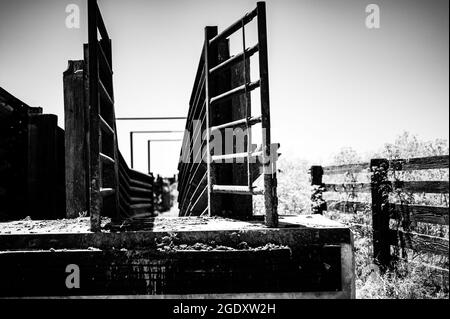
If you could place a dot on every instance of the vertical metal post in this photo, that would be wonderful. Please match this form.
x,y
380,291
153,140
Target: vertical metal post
x,y
247,111
95,167
131,150
270,195
210,32
106,45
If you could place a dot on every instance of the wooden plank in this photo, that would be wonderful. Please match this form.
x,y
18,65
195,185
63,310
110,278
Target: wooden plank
x,y
242,206
438,187
348,187
437,273
421,163
318,205
347,206
75,109
46,198
380,211
419,242
342,169
421,213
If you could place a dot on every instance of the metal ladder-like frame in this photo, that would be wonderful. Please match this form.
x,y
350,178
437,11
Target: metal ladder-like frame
x,y
102,136
266,153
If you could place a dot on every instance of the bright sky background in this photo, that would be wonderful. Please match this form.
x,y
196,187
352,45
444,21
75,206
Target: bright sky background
x,y
333,82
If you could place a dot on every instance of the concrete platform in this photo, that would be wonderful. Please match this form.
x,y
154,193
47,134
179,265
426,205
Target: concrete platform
x,y
307,256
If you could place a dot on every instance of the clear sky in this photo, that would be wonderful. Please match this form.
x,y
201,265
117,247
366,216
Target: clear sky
x,y
333,82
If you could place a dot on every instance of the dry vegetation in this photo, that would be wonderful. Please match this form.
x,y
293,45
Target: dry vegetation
x,y
406,279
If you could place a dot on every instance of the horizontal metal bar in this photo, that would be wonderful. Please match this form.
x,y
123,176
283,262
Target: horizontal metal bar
x,y
107,191
199,199
135,200
135,189
105,93
101,25
105,126
106,158
235,189
201,183
140,206
216,158
236,91
149,132
166,140
137,175
234,27
105,59
140,184
247,121
150,118
205,211
235,59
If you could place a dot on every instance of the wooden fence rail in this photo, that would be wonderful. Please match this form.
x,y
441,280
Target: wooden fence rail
x,y
382,210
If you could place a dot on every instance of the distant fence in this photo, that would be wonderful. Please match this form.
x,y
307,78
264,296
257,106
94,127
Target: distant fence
x,y
31,161
383,211
135,191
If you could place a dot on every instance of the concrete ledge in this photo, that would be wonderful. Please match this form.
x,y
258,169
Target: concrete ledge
x,y
300,230
311,257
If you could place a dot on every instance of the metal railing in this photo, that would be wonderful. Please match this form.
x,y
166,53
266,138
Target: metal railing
x,y
103,153
113,188
201,171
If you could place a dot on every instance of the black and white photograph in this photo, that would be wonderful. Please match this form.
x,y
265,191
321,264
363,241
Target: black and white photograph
x,y
224,155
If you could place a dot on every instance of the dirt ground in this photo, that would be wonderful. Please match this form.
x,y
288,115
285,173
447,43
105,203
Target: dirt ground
x,y
163,223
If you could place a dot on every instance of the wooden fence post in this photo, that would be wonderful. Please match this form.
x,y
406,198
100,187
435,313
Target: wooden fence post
x,y
75,139
44,184
318,204
380,188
